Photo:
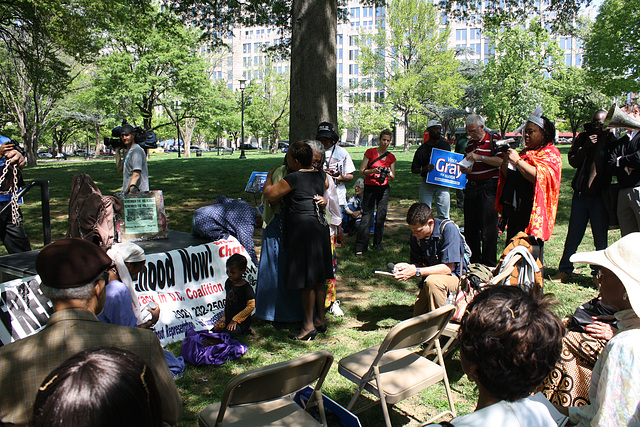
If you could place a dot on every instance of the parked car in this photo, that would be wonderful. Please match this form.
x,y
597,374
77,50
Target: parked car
x,y
283,144
248,147
347,144
223,150
44,155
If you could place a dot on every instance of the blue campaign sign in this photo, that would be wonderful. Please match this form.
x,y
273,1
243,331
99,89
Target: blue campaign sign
x,y
447,170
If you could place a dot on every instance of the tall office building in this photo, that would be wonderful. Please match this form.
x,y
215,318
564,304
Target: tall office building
x,y
246,57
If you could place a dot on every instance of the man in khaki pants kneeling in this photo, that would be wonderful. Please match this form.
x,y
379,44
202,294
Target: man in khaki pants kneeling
x,y
435,260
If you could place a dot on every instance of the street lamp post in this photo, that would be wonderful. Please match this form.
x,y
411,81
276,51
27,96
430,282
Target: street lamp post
x,y
178,125
242,86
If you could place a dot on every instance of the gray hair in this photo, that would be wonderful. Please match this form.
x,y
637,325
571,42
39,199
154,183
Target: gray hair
x,y
82,292
359,183
474,119
316,147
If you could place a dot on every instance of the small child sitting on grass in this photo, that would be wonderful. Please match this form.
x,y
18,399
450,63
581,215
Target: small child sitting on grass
x,y
240,299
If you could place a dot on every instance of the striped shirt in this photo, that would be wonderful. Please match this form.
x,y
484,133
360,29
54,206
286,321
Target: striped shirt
x,y
481,170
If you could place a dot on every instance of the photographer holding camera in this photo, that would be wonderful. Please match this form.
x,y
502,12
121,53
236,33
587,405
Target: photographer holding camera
x,y
588,155
379,169
529,184
132,162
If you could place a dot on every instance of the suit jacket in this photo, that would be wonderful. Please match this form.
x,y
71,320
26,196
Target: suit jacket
x,y
24,364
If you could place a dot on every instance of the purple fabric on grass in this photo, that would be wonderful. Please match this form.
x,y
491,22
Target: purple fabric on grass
x,y
210,348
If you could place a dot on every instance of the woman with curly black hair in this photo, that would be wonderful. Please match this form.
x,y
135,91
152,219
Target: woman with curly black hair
x,y
510,341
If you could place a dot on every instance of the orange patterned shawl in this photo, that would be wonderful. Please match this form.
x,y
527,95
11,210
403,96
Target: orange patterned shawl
x,y
548,163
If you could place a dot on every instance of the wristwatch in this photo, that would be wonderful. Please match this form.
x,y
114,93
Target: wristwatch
x,y
417,271
482,158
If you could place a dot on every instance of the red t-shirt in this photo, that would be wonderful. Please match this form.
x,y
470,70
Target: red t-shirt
x,y
481,170
387,161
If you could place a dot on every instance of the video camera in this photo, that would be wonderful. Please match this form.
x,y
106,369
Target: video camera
x,y
503,145
145,138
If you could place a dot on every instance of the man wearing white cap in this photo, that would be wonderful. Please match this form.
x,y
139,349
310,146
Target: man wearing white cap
x,y
614,393
421,165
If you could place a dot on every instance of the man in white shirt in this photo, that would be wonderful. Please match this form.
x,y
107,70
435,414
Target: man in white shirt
x,y
338,163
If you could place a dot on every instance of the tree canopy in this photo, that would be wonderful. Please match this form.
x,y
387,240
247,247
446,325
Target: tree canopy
x,y
411,61
612,48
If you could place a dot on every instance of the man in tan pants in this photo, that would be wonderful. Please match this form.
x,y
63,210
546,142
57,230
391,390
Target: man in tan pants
x,y
435,260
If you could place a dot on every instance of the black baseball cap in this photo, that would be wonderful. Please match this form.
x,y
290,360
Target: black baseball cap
x,y
327,130
126,129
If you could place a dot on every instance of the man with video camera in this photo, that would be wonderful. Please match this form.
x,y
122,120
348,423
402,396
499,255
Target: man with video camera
x,y
132,162
588,155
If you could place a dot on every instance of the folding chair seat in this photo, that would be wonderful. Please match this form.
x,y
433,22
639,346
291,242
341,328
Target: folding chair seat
x,y
395,369
264,396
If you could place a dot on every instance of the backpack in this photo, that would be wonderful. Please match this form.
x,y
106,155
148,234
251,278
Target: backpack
x,y
467,250
91,215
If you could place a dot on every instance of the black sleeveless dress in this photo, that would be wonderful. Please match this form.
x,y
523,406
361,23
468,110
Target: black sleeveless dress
x,y
306,233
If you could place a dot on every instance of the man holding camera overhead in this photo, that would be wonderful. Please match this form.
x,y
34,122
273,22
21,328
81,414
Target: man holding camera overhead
x,y
132,162
588,156
480,216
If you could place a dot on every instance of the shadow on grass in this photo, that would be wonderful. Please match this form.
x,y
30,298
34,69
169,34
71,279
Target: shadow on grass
x,y
372,316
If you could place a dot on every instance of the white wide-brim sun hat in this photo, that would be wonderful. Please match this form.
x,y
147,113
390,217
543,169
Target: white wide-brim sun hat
x,y
623,259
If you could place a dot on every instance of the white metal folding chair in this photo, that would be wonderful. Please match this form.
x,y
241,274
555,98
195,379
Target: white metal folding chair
x,y
395,369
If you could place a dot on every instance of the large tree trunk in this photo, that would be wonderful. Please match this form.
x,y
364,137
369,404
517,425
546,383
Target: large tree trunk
x,y
313,67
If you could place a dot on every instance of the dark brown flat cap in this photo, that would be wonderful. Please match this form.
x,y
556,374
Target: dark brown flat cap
x,y
69,263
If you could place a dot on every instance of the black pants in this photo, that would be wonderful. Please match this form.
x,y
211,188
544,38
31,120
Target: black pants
x,y
375,197
13,236
481,221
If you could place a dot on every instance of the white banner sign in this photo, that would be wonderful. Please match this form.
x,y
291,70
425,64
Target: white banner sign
x,y
187,284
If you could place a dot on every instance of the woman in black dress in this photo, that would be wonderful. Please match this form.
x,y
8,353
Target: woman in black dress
x,y
306,235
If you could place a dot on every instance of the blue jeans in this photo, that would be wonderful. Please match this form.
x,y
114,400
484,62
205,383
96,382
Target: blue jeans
x,y
428,192
584,209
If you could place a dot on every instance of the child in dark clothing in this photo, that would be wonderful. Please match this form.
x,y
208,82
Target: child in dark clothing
x,y
240,300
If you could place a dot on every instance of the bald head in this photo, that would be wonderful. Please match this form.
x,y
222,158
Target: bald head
x,y
599,116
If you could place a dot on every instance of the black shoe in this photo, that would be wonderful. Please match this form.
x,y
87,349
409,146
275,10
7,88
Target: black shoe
x,y
379,247
322,328
308,337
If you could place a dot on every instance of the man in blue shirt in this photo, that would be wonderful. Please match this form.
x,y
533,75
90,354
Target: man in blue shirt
x,y
438,260
12,159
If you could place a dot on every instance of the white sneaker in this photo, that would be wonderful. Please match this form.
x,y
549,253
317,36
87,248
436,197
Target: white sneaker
x,y
335,309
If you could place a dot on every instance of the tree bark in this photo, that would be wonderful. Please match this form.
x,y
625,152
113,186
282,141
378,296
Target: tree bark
x,y
313,67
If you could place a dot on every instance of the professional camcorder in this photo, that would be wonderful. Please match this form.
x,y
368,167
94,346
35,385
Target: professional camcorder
x,y
503,145
145,138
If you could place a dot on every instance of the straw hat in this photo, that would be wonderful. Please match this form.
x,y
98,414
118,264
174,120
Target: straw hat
x,y
623,259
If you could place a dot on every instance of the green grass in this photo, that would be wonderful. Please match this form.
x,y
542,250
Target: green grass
x,y
372,304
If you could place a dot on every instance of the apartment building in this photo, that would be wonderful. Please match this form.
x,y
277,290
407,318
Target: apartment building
x,y
246,56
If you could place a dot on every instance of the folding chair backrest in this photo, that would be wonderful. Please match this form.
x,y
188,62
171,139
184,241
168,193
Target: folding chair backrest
x,y
277,380
417,330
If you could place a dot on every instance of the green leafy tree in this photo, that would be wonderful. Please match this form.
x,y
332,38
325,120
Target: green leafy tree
x,y
42,45
411,60
270,103
612,48
576,99
156,64
517,78
366,118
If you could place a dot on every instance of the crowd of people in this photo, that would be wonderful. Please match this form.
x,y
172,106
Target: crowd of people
x,y
99,346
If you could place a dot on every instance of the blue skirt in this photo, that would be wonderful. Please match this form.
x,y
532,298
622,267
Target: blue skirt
x,y
274,302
